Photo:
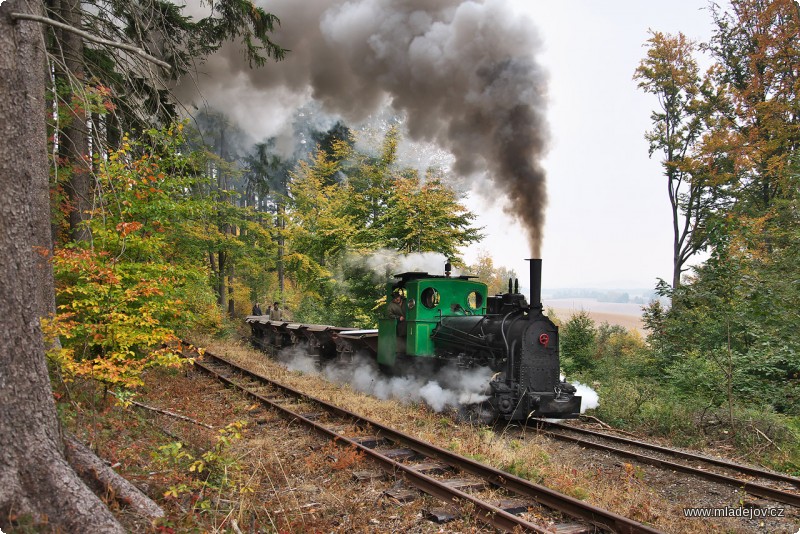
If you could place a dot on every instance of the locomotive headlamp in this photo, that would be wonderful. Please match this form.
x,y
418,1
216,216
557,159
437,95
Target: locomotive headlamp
x,y
544,339
411,303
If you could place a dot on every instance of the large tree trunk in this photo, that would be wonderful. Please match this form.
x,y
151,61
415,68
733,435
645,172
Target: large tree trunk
x,y
75,139
35,479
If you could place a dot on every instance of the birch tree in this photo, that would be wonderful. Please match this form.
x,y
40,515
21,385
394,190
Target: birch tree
x,y
671,74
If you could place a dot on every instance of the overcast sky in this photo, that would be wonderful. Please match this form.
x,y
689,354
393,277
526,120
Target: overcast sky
x,y
608,222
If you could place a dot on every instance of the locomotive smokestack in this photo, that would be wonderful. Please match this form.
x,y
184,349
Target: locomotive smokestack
x,y
536,283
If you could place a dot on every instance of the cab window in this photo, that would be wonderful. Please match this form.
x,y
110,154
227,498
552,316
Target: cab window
x,y
474,300
430,298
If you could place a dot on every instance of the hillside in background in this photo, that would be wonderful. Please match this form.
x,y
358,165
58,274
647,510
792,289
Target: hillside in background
x,y
627,315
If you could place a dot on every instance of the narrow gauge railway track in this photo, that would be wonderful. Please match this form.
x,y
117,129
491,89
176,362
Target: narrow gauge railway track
x,y
493,514
713,471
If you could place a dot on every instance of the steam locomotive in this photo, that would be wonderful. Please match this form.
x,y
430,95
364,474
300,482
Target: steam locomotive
x,y
452,320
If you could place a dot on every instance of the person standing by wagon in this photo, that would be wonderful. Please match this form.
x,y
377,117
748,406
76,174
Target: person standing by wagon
x,y
276,314
257,309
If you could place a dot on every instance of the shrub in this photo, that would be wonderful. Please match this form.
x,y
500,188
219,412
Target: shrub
x,y
578,342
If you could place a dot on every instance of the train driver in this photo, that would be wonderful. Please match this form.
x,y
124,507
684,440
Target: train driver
x,y
397,311
396,307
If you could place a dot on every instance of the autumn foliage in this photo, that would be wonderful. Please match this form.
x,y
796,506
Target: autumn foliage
x,y
122,296
113,317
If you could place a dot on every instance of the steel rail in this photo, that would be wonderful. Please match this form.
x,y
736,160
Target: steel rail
x,y
493,515
778,477
750,487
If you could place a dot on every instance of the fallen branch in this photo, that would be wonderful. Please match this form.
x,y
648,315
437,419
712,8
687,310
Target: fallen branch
x,y
767,438
167,412
104,480
596,420
609,427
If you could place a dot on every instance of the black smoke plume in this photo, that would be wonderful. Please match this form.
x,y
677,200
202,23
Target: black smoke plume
x,y
463,74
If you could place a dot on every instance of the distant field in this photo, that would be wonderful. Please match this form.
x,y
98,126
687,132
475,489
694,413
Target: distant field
x,y
625,315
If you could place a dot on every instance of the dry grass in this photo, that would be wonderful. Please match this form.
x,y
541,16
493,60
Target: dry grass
x,y
608,483
280,478
277,477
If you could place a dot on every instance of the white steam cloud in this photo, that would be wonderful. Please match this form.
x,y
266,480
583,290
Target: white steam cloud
x,y
295,358
462,73
385,263
589,397
449,387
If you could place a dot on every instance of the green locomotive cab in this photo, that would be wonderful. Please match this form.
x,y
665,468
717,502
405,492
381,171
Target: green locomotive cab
x,y
426,300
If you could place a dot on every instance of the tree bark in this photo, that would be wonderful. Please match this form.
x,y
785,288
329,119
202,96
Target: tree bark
x,y
35,479
75,138
231,301
222,265
104,480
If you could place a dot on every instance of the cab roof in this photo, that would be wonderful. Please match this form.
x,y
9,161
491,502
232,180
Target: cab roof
x,y
416,275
